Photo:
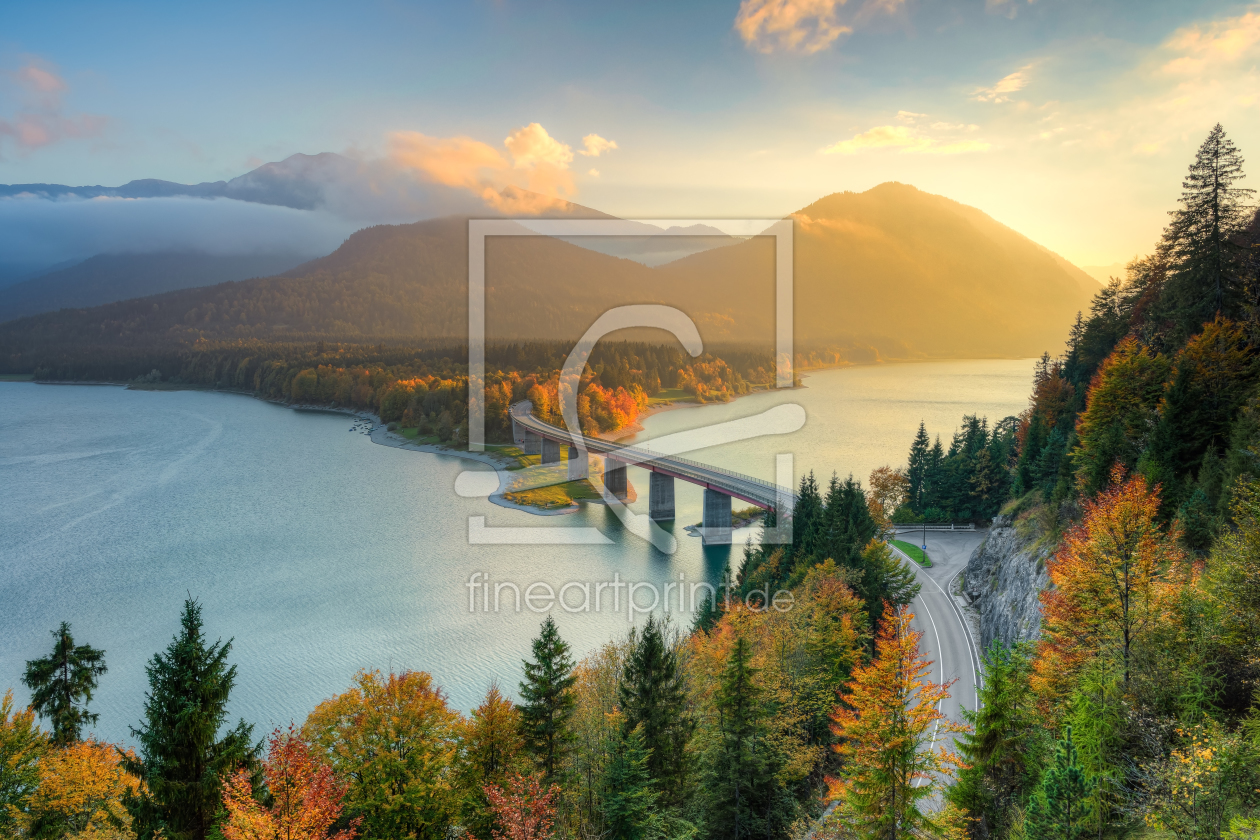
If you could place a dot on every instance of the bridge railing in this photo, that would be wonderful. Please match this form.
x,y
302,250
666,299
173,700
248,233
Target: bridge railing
x,y
643,455
904,527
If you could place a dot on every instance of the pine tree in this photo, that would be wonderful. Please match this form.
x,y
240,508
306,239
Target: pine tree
x,y
916,468
61,685
631,800
1203,237
183,760
654,701
996,752
807,519
549,700
744,799
1067,791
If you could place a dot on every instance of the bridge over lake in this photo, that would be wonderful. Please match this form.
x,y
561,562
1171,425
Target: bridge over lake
x,y
536,437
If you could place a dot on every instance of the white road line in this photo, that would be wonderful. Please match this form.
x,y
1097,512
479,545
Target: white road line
x,y
976,675
940,664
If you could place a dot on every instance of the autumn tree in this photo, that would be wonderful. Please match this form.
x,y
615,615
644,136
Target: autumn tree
x,y
183,757
395,741
889,490
21,747
1120,413
1111,576
548,707
886,728
305,796
493,747
525,809
62,683
81,793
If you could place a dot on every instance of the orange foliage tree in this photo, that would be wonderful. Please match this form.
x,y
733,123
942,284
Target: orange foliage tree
x,y
525,810
306,796
887,726
1120,412
1113,576
80,794
21,747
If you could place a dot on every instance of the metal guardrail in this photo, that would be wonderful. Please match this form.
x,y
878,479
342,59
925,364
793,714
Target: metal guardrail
x,y
939,526
774,491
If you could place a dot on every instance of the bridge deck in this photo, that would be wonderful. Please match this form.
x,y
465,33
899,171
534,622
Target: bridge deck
x,y
764,494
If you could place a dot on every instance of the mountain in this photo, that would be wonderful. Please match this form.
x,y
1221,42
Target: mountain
x,y
299,181
106,278
891,272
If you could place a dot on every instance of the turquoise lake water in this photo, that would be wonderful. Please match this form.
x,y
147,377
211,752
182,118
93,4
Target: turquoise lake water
x,y
323,553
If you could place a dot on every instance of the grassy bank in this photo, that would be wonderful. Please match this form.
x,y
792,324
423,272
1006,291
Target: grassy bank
x,y
914,553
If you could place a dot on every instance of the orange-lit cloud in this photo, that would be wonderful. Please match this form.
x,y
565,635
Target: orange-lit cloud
x,y
802,26
535,179
594,145
1008,84
903,139
41,121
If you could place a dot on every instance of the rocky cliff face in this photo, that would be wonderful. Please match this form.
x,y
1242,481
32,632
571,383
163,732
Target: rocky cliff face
x,y
1003,578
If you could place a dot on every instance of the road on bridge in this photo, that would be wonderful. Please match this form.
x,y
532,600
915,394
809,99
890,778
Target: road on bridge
x,y
948,637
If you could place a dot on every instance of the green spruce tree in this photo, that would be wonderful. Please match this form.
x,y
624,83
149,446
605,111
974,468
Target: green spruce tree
x,y
62,683
1209,258
916,468
1068,792
995,777
630,802
653,699
743,796
184,754
549,701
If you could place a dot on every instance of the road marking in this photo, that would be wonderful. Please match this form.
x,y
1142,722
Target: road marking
x,y
940,664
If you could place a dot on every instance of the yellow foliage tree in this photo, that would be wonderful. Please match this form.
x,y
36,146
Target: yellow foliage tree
x,y
21,745
395,741
80,795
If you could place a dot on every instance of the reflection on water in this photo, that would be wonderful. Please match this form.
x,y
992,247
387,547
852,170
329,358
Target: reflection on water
x,y
322,553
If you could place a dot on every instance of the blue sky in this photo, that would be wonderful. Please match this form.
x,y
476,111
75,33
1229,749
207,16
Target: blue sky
x,y
1071,121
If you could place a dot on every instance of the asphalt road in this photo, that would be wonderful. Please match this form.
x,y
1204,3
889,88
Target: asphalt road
x,y
948,639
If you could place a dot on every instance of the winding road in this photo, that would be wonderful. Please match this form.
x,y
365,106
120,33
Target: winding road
x,y
948,637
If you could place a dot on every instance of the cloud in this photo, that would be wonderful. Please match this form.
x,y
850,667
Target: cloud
x,y
532,145
1009,8
903,139
803,26
39,231
41,121
537,178
594,173
1212,45
596,145
1007,84
909,116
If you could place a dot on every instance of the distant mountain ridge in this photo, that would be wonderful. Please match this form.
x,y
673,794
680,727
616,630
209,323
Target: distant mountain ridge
x,y
106,278
892,272
298,181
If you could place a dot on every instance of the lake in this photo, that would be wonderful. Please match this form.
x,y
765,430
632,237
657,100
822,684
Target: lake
x,y
321,553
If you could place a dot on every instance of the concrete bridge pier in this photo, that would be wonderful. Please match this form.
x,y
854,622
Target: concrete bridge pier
x,y
530,443
579,467
661,497
715,529
550,451
615,477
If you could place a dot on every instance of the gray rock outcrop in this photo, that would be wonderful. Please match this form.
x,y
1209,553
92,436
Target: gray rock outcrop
x,y
1003,578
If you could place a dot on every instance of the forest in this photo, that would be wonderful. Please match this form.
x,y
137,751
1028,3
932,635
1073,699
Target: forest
x,y
1134,714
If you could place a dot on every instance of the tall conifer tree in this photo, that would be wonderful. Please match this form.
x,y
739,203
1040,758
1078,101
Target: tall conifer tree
x,y
654,701
61,685
183,758
549,700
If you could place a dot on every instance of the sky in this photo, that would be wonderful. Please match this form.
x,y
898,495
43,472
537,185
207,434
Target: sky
x,y
1072,121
